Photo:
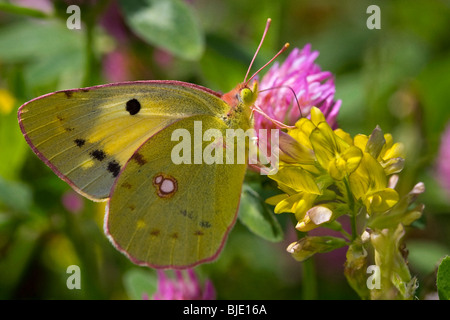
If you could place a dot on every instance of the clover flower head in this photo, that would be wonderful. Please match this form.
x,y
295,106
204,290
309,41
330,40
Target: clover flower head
x,y
311,86
184,286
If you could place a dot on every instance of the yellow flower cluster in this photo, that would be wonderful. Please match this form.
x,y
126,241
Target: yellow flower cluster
x,y
324,173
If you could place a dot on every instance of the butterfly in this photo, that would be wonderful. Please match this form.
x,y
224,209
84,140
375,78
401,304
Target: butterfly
x,y
115,143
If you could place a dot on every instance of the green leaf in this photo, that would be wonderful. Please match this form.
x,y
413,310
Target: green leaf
x,y
443,279
424,255
7,7
139,282
15,195
14,263
257,217
45,59
169,24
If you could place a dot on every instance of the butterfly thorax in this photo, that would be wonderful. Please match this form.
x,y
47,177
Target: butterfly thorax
x,y
240,100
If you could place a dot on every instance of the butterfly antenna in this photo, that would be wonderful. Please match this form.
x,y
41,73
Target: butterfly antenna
x,y
270,61
259,47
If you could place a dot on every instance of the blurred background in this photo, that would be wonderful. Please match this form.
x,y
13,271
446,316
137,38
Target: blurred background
x,y
397,77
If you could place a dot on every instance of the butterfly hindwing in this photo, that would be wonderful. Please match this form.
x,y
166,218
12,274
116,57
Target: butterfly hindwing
x,y
166,215
87,135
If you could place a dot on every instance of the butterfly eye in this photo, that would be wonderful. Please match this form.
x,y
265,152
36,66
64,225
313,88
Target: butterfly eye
x,y
248,96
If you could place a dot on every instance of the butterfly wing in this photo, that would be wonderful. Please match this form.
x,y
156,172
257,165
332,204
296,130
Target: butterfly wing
x,y
87,135
166,215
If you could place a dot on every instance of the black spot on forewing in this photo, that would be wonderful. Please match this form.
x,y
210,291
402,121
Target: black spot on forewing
x,y
114,168
98,155
133,106
79,142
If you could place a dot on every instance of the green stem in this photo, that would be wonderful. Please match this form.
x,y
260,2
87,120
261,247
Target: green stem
x,y
346,234
352,207
354,231
90,56
309,276
309,285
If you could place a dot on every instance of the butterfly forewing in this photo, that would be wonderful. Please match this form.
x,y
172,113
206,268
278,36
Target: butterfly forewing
x,y
87,135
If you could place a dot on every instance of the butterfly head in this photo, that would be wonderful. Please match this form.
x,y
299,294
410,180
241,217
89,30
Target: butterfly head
x,y
248,96
242,95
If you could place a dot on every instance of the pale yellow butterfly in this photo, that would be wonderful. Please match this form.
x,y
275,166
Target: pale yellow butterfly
x,y
114,142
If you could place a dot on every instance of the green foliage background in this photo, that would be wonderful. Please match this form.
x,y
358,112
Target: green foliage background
x,y
397,77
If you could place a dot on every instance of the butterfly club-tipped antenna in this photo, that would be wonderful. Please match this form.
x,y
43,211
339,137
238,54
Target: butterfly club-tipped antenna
x,y
257,51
